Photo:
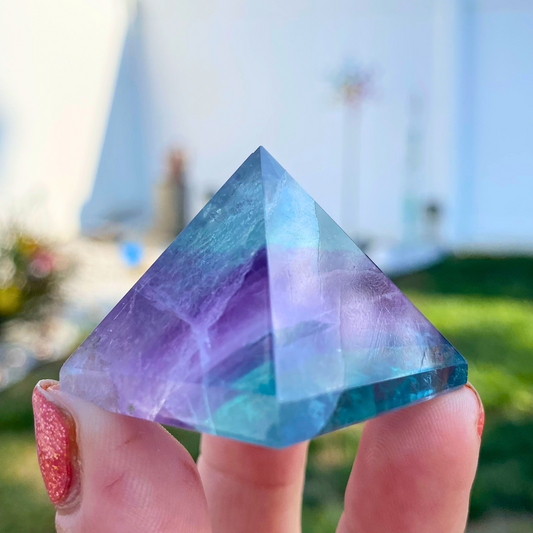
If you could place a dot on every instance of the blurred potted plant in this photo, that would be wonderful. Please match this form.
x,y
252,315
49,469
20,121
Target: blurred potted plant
x,y
30,276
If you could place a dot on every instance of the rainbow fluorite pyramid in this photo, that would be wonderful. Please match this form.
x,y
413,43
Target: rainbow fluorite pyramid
x,y
263,322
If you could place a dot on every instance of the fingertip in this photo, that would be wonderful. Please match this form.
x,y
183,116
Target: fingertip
x,y
416,466
451,419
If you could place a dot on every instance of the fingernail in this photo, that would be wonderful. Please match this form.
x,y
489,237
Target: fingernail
x,y
481,415
55,433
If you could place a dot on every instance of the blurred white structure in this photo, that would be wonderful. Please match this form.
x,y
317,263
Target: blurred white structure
x,y
57,72
222,79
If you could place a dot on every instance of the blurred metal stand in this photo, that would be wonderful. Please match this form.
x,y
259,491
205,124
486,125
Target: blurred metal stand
x,y
353,84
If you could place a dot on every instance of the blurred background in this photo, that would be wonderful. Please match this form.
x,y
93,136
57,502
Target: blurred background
x,y
409,121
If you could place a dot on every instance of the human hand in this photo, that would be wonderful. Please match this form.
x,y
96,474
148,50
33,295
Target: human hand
x,y
109,473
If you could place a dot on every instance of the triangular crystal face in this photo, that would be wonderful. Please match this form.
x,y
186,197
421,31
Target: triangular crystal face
x,y
263,322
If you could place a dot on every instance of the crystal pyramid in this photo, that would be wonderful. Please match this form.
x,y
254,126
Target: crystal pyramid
x,y
263,322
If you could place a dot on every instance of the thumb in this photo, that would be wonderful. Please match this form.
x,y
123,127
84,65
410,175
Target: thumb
x,y
113,473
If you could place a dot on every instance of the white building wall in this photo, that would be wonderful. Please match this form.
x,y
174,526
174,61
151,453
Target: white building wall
x,y
224,78
222,82
227,80
497,180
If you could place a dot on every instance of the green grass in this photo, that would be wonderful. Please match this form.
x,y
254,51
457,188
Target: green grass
x,y
483,306
24,505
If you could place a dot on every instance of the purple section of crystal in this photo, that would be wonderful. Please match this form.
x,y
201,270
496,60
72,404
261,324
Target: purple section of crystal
x,y
262,321
165,351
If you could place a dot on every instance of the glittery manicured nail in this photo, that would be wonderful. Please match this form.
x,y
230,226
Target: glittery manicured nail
x,y
481,414
55,432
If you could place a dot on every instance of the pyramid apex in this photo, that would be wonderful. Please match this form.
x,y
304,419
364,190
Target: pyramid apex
x,y
271,170
263,152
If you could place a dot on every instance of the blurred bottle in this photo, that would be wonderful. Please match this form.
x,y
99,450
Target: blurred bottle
x,y
171,198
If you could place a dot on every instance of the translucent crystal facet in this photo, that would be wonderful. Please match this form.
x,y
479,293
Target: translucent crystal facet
x,y
264,322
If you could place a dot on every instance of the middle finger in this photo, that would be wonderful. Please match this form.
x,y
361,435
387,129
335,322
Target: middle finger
x,y
252,488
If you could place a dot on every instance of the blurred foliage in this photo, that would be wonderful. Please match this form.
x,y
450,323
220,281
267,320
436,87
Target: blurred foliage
x,y
30,276
487,315
475,275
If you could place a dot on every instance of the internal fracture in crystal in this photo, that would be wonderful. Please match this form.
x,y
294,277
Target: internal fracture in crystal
x,y
264,322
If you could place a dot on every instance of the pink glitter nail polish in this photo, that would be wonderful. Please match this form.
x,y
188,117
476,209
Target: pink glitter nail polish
x,y
55,433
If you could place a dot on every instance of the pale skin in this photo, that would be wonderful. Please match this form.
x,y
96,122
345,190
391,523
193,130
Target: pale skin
x,y
412,474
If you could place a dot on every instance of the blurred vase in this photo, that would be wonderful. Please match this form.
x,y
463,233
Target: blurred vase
x,y
170,199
